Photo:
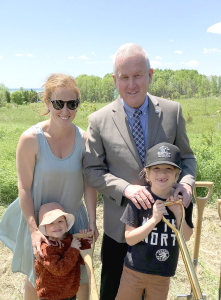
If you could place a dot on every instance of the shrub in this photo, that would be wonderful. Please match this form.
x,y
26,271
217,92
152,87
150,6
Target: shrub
x,y
209,164
17,97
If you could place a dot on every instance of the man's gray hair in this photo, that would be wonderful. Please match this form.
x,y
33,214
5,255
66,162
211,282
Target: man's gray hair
x,y
129,50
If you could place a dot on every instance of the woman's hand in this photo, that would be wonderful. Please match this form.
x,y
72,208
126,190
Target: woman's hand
x,y
93,228
37,238
90,196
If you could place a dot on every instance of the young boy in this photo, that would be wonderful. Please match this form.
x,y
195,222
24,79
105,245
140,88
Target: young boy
x,y
58,272
153,249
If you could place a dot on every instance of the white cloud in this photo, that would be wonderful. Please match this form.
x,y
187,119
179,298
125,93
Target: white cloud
x,y
171,40
89,62
19,54
155,64
193,63
178,52
104,62
47,56
1,57
30,55
211,50
158,57
93,53
83,57
169,64
112,56
216,28
71,57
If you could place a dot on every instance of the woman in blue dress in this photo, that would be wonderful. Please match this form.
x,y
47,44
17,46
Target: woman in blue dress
x,y
49,166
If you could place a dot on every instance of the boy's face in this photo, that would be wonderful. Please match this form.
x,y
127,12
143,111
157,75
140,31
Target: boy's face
x,y
162,177
57,228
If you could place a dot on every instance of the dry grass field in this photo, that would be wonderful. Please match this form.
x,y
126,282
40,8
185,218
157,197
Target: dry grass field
x,y
11,285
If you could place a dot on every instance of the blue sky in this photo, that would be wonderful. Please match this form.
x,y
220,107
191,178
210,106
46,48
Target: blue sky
x,y
40,37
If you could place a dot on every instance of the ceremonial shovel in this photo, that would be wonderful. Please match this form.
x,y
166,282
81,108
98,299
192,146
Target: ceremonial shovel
x,y
219,212
201,202
87,255
185,253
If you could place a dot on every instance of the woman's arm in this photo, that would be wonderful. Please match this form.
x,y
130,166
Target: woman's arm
x,y
90,197
27,150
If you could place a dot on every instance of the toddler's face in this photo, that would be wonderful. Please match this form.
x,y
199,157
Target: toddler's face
x,y
57,229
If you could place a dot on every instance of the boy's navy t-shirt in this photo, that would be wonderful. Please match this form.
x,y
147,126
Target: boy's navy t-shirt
x,y
158,253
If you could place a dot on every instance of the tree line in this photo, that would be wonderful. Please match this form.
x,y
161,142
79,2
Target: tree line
x,y
166,83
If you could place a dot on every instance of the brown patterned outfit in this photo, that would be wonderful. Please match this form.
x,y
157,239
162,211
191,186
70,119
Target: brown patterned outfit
x,y
58,272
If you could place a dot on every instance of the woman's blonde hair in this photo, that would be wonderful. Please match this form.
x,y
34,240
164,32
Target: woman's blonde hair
x,y
55,82
147,171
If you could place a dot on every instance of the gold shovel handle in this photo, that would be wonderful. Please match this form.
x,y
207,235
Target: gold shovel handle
x,y
207,184
82,235
185,253
201,202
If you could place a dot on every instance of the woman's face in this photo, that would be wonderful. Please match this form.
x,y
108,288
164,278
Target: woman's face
x,y
65,116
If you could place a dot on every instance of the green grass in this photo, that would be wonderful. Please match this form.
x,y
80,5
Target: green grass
x,y
202,128
205,140
204,132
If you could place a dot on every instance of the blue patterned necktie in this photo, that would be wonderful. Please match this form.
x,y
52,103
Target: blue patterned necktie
x,y
138,135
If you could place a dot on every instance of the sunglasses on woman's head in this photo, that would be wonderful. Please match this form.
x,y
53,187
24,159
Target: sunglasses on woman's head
x,y
59,104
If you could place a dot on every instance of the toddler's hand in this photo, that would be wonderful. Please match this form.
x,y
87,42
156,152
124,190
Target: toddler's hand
x,y
158,210
84,231
76,243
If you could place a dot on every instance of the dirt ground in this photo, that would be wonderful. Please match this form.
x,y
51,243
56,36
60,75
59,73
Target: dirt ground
x,y
11,285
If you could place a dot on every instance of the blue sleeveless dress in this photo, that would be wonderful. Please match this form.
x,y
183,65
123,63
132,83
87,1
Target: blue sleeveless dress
x,y
55,180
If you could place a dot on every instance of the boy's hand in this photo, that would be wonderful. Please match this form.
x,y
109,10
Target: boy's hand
x,y
76,243
177,211
158,210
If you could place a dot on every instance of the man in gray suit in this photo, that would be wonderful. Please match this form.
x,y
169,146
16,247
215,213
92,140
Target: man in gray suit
x,y
115,155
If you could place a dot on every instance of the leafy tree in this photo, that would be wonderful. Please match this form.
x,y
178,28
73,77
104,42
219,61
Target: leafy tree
x,y
108,87
3,89
214,86
7,96
17,97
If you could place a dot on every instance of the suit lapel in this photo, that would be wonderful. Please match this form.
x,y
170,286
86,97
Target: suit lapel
x,y
120,120
154,114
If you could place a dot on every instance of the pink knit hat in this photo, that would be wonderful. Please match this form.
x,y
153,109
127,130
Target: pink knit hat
x,y
49,212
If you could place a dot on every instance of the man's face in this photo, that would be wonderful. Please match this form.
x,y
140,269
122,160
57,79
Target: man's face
x,y
132,79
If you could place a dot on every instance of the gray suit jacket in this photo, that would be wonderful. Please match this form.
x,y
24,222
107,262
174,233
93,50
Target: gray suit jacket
x,y
112,162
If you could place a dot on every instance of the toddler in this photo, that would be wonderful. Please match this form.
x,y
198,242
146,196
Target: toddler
x,y
58,272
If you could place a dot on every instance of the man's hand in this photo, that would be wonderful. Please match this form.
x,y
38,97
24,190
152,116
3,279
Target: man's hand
x,y
139,195
186,190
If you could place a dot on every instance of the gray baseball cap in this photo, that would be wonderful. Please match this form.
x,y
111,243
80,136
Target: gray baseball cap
x,y
163,154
